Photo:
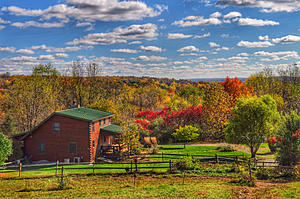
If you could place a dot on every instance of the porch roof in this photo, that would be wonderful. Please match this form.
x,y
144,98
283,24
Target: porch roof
x,y
113,129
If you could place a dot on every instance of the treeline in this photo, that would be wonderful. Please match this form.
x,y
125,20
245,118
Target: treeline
x,y
27,100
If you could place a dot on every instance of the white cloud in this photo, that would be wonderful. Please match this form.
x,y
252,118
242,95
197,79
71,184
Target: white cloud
x,y
149,58
39,47
124,50
37,24
2,27
215,15
3,21
213,44
46,57
25,51
223,48
243,54
102,10
134,42
256,22
259,44
263,38
188,49
150,48
225,35
265,5
232,15
65,49
276,56
61,55
81,24
188,54
287,39
178,36
196,21
202,36
7,49
119,35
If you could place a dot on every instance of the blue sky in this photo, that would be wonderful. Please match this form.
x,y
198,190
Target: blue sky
x,y
160,38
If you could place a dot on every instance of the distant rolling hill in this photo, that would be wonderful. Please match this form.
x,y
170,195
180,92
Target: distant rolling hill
x,y
214,79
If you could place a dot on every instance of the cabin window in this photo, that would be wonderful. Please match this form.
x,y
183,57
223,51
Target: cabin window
x,y
93,124
72,147
41,147
104,139
56,127
100,123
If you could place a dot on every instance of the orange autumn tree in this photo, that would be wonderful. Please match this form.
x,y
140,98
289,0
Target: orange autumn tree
x,y
236,88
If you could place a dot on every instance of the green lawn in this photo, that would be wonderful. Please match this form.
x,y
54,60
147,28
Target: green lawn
x,y
150,186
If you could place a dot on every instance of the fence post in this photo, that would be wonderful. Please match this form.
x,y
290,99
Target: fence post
x,y
249,166
136,167
162,156
216,158
56,167
170,165
131,167
20,169
263,164
93,168
62,171
236,159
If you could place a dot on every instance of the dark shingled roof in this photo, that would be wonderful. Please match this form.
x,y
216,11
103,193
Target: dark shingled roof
x,y
113,128
85,113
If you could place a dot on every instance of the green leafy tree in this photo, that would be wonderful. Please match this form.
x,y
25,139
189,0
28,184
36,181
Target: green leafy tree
x,y
289,140
253,120
131,138
5,148
186,133
8,126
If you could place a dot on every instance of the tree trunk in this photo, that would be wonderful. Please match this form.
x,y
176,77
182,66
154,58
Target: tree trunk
x,y
253,152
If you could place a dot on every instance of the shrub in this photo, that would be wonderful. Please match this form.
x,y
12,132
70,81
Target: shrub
x,y
243,182
263,173
289,145
186,163
226,148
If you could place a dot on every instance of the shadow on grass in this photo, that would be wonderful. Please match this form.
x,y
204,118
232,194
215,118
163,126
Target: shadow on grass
x,y
170,148
50,189
269,153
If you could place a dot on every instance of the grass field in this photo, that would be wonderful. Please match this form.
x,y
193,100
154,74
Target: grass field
x,y
146,186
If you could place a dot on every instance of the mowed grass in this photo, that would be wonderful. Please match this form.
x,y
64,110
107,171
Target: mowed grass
x,y
150,186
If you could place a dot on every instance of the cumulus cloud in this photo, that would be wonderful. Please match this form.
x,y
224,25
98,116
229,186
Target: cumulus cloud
x,y
3,21
65,49
188,49
276,56
178,36
61,55
7,49
213,44
265,5
256,22
39,47
134,42
124,50
263,38
202,36
232,15
287,39
37,24
102,10
119,35
196,21
2,27
25,51
149,58
258,44
150,48
215,15
243,54
46,57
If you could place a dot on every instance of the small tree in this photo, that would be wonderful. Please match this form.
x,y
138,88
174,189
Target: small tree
x,y
131,138
253,120
5,148
185,133
289,141
8,126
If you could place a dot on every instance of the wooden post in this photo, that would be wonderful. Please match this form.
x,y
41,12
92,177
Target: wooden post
x,y
249,167
162,156
216,158
20,169
131,166
136,167
56,167
62,171
236,159
170,165
263,164
183,177
93,168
